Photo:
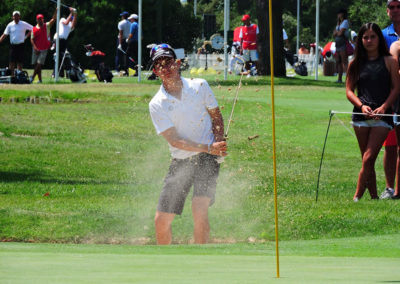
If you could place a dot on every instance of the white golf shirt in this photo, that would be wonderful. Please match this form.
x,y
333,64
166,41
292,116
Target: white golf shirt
x,y
64,30
17,31
189,115
125,27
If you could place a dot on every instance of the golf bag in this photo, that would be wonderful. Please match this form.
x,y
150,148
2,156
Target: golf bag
x,y
103,72
20,77
301,68
73,71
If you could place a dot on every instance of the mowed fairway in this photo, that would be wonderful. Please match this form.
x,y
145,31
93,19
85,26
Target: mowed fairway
x,y
81,168
356,260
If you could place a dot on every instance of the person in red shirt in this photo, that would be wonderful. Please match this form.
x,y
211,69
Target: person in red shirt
x,y
248,37
40,40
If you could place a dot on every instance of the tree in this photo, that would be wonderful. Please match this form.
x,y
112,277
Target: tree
x,y
264,38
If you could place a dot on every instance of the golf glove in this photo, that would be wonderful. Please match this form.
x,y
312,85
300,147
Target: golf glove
x,y
119,46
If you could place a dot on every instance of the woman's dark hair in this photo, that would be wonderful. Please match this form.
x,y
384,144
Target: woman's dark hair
x,y
360,53
342,11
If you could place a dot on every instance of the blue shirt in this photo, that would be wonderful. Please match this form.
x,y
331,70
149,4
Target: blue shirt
x,y
390,35
134,31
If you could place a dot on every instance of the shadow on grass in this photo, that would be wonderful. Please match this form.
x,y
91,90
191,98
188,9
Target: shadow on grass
x,y
10,177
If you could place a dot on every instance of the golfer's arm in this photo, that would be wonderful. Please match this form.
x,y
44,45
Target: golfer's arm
x,y
184,144
120,37
53,19
217,124
28,34
33,43
2,37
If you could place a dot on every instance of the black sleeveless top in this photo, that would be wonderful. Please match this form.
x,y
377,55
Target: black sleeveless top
x,y
373,87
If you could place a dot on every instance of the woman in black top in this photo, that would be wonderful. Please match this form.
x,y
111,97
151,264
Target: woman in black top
x,y
374,74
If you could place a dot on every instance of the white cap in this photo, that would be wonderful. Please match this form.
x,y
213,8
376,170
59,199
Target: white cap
x,y
353,34
16,12
133,16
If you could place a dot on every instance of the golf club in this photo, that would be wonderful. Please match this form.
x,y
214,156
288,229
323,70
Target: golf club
x,y
124,52
221,159
63,5
233,107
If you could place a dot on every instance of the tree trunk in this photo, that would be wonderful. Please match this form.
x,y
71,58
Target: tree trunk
x,y
263,39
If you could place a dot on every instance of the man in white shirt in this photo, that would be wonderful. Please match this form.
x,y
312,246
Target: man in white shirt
x,y
18,31
66,26
186,113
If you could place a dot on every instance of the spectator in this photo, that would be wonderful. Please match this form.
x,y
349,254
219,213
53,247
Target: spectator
x,y
132,40
124,27
374,73
18,31
66,26
186,113
391,159
248,36
303,49
235,49
341,57
40,43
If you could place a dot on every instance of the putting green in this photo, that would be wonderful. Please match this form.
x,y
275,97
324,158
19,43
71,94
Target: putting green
x,y
241,263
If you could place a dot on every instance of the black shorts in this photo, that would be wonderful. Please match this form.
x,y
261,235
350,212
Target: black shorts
x,y
17,53
200,170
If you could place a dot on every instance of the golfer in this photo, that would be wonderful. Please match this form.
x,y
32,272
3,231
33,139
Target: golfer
x,y
185,112
40,40
66,26
248,37
374,73
18,31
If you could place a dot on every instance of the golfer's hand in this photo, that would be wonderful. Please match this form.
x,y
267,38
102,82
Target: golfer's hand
x,y
119,46
219,149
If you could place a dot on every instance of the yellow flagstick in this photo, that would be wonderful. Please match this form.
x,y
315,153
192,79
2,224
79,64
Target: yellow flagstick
x,y
271,51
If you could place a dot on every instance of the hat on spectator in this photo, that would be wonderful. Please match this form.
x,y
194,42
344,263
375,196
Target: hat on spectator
x,y
124,13
245,17
133,16
16,12
162,50
390,1
39,16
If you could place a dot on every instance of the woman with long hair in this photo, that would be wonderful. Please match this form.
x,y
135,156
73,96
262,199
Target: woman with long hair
x,y
374,74
341,57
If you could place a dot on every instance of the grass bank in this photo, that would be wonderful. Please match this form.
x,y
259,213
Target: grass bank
x,y
82,164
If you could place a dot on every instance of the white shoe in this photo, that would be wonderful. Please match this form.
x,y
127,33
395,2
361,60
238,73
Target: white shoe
x,y
388,193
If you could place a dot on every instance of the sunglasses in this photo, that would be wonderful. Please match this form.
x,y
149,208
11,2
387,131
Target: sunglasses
x,y
392,7
160,46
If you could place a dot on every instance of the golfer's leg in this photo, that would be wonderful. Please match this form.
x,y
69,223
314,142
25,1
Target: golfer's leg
x,y
200,206
163,223
39,71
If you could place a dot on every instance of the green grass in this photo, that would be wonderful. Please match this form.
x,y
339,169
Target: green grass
x,y
93,149
351,260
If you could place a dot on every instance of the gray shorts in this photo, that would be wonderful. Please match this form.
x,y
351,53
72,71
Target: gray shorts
x,y
200,170
39,58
